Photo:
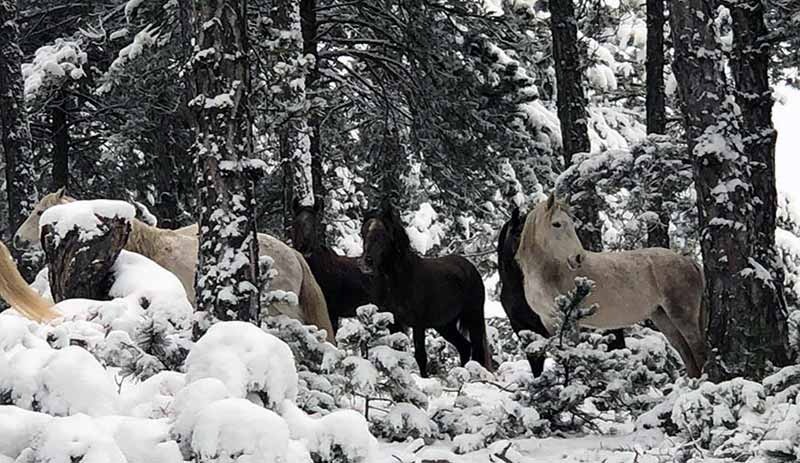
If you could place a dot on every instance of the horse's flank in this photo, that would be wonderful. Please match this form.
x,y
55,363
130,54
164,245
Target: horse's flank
x,y
176,251
16,292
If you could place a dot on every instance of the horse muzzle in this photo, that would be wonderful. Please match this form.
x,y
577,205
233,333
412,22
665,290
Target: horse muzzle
x,y
575,262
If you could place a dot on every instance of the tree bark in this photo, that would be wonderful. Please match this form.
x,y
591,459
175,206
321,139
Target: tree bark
x,y
571,102
61,142
746,326
750,69
308,25
658,232
227,280
289,94
82,268
15,135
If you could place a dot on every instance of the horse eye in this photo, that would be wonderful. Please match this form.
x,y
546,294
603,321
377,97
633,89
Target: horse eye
x,y
556,224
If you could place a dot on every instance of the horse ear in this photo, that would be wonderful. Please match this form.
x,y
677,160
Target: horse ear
x,y
296,205
61,192
551,201
319,203
515,215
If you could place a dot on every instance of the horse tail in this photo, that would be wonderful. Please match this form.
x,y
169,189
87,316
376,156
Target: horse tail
x,y
16,292
703,318
312,301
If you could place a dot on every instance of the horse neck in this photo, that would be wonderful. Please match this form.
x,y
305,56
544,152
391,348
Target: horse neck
x,y
144,239
397,275
547,268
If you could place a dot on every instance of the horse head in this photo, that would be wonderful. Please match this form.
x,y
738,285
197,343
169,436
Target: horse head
x,y
384,239
549,232
28,233
305,236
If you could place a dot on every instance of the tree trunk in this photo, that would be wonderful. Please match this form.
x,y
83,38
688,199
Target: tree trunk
x,y
658,232
308,23
746,326
292,106
167,207
571,102
61,142
750,69
15,134
82,268
227,280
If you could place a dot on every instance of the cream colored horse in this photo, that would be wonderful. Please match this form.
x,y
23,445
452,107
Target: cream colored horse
x,y
631,286
16,292
176,251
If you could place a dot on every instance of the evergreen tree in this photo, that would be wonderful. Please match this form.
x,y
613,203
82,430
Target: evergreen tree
x,y
14,131
747,322
572,115
657,232
227,272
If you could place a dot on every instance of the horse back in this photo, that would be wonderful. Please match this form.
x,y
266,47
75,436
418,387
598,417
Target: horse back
x,y
444,289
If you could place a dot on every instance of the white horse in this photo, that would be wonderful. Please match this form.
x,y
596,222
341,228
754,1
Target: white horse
x,y
176,251
631,286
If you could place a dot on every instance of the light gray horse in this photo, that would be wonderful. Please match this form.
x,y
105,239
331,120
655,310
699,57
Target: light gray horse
x,y
631,286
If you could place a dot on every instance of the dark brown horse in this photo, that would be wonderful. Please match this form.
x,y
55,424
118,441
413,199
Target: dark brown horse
x,y
344,285
444,293
512,292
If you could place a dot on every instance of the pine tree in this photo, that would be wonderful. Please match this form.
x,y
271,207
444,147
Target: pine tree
x,y
572,115
747,322
657,233
287,69
227,271
14,131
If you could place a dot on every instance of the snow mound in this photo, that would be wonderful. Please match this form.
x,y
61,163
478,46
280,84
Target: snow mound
x,y
187,405
17,429
142,440
16,332
236,430
247,360
150,398
59,382
71,439
424,231
146,284
85,216
340,436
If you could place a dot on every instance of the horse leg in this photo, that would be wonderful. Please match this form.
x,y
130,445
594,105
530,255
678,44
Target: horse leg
x,y
419,351
619,339
451,334
688,324
334,323
676,339
528,320
477,339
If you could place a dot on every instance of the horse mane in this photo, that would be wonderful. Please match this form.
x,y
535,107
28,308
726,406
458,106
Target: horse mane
x,y
16,292
390,218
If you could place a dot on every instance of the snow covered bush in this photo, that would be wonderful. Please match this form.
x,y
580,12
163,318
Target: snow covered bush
x,y
379,365
247,360
339,437
737,420
238,431
52,67
59,382
406,421
590,385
